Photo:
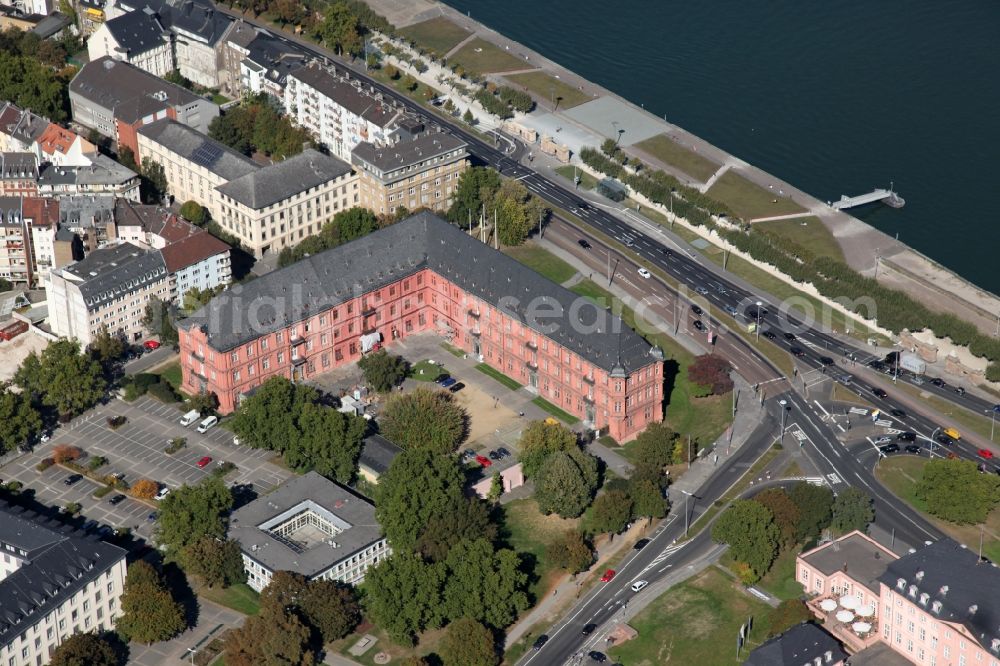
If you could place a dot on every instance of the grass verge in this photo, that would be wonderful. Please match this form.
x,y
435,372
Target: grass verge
x,y
425,371
438,35
482,57
809,232
568,172
555,411
542,262
748,200
692,622
668,151
453,350
529,532
546,86
962,417
241,598
510,383
780,580
901,474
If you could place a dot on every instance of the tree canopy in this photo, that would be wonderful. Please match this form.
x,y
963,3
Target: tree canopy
x,y
19,420
344,226
190,513
256,125
570,551
274,637
33,85
711,372
150,613
194,212
785,511
852,510
654,447
749,530
484,584
956,491
289,418
566,484
468,643
382,370
403,594
158,319
62,378
328,606
425,418
84,650
540,439
341,30
815,505
218,563
611,512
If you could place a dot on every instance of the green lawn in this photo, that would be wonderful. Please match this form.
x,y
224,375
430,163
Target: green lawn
x,y
241,598
453,350
542,261
555,411
220,99
482,57
437,35
545,85
900,475
425,371
748,200
510,383
780,580
695,623
809,232
587,182
668,151
171,373
965,419
528,531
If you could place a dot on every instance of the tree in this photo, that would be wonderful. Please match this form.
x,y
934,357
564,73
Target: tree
x,y
62,378
484,584
749,530
425,418
340,30
403,595
144,489
382,370
106,348
217,563
466,519
468,117
204,403
410,83
476,186
191,512
468,643
127,158
711,372
154,181
539,440
646,493
610,148
32,84
783,508
956,491
422,494
195,298
566,484
174,76
84,650
612,511
331,608
149,612
19,421
158,320
194,212
815,504
273,637
788,614
392,72
853,510
570,551
654,447
64,453
517,212
5,285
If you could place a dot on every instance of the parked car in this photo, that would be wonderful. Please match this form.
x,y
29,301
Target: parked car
x,y
504,453
597,656
907,436
204,461
540,641
207,424
117,499
944,439
584,244
640,544
152,516
151,345
442,379
71,479
695,309
644,273
448,383
484,461
469,453
698,325
608,575
912,448
494,455
940,383
164,491
456,387
889,448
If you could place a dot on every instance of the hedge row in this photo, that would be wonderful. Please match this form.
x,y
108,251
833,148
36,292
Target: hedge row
x,y
895,310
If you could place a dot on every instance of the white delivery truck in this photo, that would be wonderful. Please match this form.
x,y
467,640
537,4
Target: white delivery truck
x,y
912,363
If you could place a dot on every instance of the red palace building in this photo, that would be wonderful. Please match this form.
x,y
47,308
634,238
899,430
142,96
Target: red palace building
x,y
425,275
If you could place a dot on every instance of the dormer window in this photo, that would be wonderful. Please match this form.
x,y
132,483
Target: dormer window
x,y
913,591
924,598
919,576
995,645
901,584
936,607
944,590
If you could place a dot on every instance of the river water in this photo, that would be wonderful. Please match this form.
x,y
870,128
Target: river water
x,y
836,97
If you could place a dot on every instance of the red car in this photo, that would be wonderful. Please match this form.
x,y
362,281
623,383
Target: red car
x,y
204,461
484,461
151,345
985,453
608,575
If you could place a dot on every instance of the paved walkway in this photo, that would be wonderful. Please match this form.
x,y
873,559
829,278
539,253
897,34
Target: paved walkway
x,y
213,620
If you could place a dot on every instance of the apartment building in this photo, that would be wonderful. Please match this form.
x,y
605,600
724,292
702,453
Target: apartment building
x,y
61,147
27,234
137,38
20,129
425,275
803,645
18,174
339,111
109,289
251,60
54,582
278,205
102,176
117,98
310,526
415,171
934,606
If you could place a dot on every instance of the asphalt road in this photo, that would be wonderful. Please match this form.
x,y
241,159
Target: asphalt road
x,y
659,558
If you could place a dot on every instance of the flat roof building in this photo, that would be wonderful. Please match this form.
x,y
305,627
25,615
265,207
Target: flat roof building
x,y
310,526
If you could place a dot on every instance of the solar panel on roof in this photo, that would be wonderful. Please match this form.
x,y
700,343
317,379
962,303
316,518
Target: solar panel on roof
x,y
205,154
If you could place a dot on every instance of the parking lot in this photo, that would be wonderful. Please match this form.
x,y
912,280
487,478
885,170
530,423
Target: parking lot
x,y
136,449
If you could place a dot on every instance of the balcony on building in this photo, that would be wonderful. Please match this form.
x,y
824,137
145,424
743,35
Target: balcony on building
x,y
295,339
589,398
531,363
298,360
198,357
589,379
474,313
531,344
475,331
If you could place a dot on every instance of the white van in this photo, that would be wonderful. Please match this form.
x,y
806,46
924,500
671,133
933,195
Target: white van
x,y
207,423
639,584
190,417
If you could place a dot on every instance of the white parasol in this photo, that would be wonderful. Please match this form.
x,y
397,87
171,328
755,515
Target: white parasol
x,y
867,610
828,605
849,602
845,616
861,627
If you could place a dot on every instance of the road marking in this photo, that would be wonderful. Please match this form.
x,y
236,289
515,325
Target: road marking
x,y
859,410
821,407
834,479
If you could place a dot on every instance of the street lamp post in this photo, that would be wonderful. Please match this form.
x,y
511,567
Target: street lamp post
x,y
686,519
783,404
758,320
930,453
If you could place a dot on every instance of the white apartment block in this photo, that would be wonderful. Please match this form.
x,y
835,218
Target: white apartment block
x,y
340,112
53,584
137,38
